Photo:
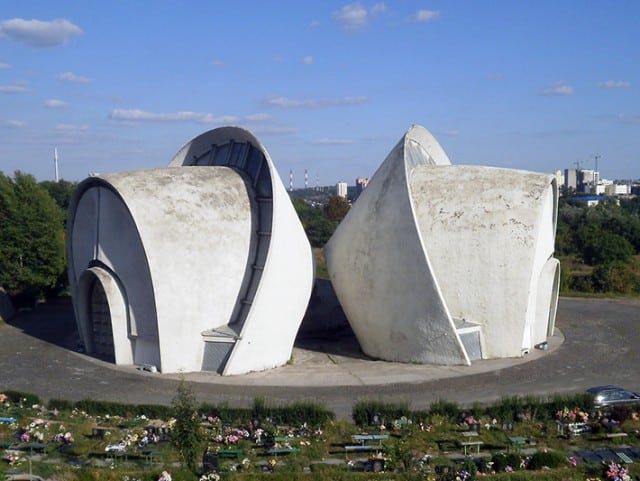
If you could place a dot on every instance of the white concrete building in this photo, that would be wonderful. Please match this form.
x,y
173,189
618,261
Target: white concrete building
x,y
342,189
617,189
202,265
446,264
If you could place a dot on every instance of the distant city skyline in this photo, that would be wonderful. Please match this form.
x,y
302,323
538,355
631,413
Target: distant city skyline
x,y
327,86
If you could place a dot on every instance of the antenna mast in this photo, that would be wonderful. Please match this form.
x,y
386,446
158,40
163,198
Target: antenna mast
x,y
55,163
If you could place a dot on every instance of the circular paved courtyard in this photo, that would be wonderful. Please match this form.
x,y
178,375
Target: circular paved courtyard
x,y
596,343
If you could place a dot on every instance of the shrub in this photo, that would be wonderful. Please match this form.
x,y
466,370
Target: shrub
x,y
100,408
19,397
582,400
549,459
60,404
503,460
621,413
471,468
368,412
449,409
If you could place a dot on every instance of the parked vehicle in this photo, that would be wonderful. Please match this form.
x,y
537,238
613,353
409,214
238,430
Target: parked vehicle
x,y
606,396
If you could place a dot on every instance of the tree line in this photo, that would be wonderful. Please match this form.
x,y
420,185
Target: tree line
x,y
32,237
598,246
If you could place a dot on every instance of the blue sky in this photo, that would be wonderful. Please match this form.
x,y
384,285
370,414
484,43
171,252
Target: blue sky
x,y
327,86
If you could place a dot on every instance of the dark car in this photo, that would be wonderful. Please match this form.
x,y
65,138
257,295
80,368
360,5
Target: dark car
x,y
604,396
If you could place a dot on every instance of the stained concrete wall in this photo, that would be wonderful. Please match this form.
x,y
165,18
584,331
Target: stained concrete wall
x,y
174,250
380,269
268,333
489,232
177,239
429,246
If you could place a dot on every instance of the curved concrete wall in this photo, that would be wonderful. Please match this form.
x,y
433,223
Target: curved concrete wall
x,y
381,272
488,239
432,252
201,265
281,297
177,239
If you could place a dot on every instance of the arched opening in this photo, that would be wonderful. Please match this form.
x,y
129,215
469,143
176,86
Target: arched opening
x,y
103,315
100,322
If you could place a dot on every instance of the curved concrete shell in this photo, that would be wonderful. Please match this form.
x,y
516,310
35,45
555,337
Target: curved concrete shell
x,y
194,267
447,264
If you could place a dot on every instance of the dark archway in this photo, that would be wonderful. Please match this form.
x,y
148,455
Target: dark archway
x,y
100,321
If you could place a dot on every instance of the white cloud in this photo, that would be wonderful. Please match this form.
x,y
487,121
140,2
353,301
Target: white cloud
x,y
55,104
558,88
141,115
288,103
614,84
422,16
328,141
71,77
378,8
628,119
352,16
69,133
274,130
15,124
12,89
38,33
260,117
137,115
4,66
308,59
217,63
314,24
71,128
451,132
495,76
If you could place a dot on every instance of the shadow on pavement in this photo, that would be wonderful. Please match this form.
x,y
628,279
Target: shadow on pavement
x,y
53,322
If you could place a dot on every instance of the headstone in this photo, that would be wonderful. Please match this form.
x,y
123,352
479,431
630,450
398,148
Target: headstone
x,y
210,462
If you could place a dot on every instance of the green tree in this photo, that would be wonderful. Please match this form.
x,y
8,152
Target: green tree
x,y
613,277
186,435
315,223
336,208
32,256
602,247
60,191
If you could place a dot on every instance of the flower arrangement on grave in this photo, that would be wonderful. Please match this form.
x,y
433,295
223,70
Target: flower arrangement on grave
x,y
576,414
210,477
617,472
165,476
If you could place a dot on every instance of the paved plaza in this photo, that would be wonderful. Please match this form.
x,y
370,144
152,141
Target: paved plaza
x,y
596,343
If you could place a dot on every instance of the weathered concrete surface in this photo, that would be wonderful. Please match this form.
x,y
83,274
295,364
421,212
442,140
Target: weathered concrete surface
x,y
178,241
600,347
207,252
286,281
382,273
488,233
431,252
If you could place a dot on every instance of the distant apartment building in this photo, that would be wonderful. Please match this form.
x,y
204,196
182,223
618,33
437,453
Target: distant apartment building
x,y
571,179
341,189
588,180
617,189
361,184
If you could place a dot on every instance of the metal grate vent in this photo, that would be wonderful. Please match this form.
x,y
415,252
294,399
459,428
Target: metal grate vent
x,y
216,355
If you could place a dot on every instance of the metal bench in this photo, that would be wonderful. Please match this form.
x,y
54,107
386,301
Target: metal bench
x,y
625,458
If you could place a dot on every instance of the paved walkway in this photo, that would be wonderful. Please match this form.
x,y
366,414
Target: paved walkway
x,y
596,343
